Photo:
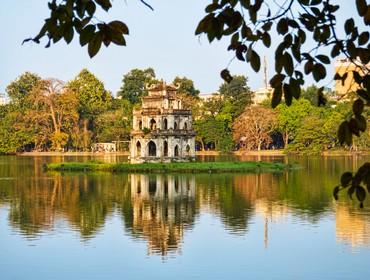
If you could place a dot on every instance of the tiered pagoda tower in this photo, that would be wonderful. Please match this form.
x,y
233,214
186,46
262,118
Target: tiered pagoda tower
x,y
162,129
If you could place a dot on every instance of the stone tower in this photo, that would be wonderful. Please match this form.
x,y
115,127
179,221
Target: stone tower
x,y
162,129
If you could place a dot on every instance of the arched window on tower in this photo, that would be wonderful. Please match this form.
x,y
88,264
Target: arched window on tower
x,y
185,126
165,124
152,149
176,151
165,149
138,149
175,126
153,124
140,125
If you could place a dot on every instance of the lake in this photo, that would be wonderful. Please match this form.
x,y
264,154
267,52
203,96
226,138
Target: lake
x,y
176,226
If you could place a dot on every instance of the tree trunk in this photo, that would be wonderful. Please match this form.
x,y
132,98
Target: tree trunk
x,y
85,123
286,139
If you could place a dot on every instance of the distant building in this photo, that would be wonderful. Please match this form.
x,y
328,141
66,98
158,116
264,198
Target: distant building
x,y
104,147
345,66
204,97
162,129
261,95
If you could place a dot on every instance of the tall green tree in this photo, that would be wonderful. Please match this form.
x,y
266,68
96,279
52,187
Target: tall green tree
x,y
134,82
238,93
186,86
93,99
290,118
19,89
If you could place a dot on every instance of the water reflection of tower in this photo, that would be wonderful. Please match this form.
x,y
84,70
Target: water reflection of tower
x,y
163,206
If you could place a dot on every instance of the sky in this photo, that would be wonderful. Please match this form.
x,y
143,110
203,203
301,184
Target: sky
x,y
162,39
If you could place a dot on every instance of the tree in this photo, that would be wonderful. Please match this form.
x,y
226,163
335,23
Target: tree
x,y
19,89
115,124
253,127
54,111
134,83
317,132
238,93
186,86
290,118
93,99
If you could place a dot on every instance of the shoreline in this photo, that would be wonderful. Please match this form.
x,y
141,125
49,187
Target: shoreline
x,y
275,153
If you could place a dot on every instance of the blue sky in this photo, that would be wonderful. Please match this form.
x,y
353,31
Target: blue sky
x,y
163,39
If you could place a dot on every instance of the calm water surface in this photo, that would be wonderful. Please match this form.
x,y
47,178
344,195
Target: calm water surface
x,y
201,226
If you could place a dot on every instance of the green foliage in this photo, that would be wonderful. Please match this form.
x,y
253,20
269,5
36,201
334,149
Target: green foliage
x,y
214,130
290,118
237,93
19,89
134,82
115,124
186,86
92,96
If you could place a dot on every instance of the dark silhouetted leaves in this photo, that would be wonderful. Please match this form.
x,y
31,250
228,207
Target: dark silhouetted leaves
x,y
358,107
360,193
344,134
276,96
346,178
94,45
225,75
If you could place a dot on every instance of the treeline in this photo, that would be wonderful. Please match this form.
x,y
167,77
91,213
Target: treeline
x,y
51,115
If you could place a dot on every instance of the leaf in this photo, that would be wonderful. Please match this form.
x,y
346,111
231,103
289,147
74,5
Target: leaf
x,y
87,34
277,80
288,64
346,178
119,40
363,38
361,122
94,45
225,75
90,8
266,39
360,193
119,26
276,96
295,88
323,58
349,25
282,26
288,96
350,192
361,7
344,134
353,127
255,61
358,107
318,72
68,33
105,4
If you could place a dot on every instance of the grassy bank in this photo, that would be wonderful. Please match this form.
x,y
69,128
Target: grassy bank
x,y
189,167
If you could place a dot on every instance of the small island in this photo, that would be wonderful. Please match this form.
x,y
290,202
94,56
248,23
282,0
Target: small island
x,y
176,167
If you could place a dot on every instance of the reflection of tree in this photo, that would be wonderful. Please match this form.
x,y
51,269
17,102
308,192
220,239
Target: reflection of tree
x,y
162,207
84,201
218,193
